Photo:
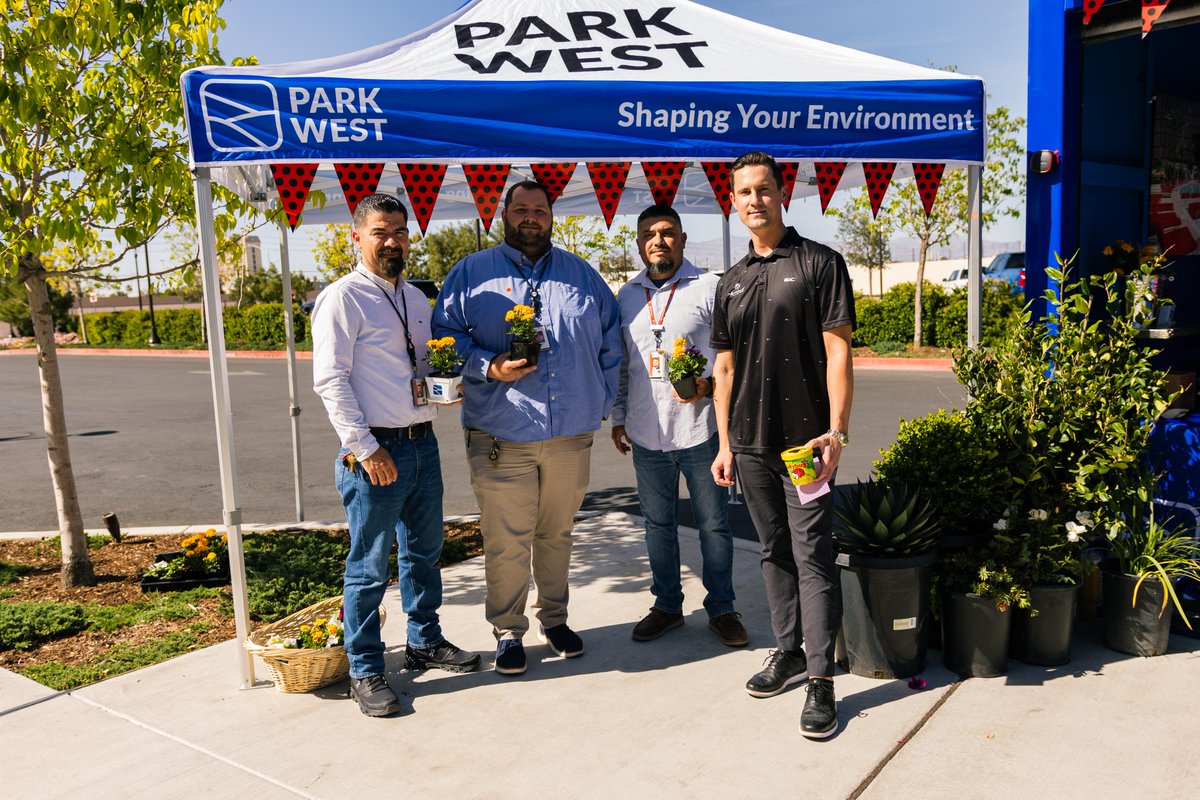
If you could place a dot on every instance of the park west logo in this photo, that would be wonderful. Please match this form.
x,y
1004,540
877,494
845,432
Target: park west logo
x,y
240,116
595,41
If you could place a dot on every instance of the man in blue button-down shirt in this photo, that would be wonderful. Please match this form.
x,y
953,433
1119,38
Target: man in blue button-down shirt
x,y
529,427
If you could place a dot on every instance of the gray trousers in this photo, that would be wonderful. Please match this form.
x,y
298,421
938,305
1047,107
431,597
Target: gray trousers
x,y
798,559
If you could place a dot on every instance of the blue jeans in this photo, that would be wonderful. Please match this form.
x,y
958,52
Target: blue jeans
x,y
658,492
408,512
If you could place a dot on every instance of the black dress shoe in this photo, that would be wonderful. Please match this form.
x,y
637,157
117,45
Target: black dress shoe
x,y
818,720
375,698
781,670
443,656
655,624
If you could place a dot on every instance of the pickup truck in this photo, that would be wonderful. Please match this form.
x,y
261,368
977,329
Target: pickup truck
x,y
1008,267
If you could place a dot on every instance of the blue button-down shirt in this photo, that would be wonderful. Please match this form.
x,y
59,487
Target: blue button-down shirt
x,y
575,383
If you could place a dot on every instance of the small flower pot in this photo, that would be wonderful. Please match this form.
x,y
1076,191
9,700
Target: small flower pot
x,y
518,349
685,387
444,389
974,635
1044,638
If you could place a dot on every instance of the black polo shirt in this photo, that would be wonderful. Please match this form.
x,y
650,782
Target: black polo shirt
x,y
771,312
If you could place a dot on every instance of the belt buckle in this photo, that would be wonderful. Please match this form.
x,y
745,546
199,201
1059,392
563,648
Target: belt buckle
x,y
415,431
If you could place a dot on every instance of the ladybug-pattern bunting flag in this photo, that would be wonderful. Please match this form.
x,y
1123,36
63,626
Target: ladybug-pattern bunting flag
x,y
717,173
1090,7
878,175
487,186
829,175
790,168
554,177
1151,11
358,181
423,182
608,179
664,178
293,181
929,178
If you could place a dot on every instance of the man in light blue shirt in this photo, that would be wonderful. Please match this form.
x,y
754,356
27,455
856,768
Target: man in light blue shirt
x,y
529,427
669,435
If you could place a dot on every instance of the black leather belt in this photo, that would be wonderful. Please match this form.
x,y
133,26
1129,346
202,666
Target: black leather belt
x,y
416,431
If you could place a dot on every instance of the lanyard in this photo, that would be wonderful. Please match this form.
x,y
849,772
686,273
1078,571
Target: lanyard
x,y
535,295
408,342
656,325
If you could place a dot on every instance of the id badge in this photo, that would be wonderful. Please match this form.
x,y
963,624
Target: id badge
x,y
542,339
658,366
420,394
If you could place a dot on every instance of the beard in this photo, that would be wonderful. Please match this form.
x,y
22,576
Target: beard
x,y
527,239
391,266
660,265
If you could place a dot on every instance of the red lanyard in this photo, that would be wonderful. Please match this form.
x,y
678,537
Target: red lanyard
x,y
650,305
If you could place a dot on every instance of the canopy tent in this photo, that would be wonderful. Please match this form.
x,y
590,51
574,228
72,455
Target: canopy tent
x,y
573,91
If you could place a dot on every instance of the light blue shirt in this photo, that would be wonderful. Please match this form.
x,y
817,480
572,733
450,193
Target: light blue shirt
x,y
652,417
575,383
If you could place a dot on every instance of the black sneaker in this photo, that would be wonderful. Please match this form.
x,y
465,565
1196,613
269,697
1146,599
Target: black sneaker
x,y
375,698
510,657
781,670
655,624
562,640
818,720
443,656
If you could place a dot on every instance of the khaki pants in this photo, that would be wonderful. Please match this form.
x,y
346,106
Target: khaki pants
x,y
528,497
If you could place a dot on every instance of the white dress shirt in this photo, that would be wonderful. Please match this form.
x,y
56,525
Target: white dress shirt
x,y
652,417
361,368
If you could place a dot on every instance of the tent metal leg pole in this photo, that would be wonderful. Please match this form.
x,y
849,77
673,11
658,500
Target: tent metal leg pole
x,y
725,246
214,319
974,255
293,392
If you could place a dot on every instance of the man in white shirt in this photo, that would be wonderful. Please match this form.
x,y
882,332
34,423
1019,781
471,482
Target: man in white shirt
x,y
370,329
669,435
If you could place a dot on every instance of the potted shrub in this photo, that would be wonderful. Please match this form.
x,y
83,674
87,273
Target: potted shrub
x,y
445,387
521,327
1138,583
886,536
685,365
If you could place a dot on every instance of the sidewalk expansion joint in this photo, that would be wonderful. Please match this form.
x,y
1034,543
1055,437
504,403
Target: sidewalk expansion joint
x,y
198,748
908,737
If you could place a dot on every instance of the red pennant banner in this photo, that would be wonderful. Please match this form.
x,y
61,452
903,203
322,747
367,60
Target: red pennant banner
x,y
293,181
487,186
554,177
717,173
664,177
608,179
1151,11
929,178
790,168
829,175
879,177
358,181
1090,7
423,182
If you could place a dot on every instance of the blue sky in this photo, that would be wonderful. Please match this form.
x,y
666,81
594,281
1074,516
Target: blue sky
x,y
984,39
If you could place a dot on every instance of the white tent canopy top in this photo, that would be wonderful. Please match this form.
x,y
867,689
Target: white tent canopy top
x,y
540,87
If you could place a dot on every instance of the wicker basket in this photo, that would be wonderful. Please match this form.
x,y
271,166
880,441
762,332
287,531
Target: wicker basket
x,y
306,668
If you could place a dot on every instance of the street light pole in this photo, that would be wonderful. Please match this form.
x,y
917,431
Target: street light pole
x,y
153,339
137,279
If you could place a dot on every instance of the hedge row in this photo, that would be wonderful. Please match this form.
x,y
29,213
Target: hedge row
x,y
260,324
943,315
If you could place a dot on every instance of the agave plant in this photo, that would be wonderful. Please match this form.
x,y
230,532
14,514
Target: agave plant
x,y
885,520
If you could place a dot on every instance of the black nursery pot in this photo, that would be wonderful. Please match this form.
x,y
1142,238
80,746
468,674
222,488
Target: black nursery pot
x,y
518,349
1139,630
885,613
685,387
974,635
1045,639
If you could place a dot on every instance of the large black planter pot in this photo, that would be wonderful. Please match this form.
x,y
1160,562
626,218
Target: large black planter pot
x,y
1044,639
974,635
527,350
885,611
685,387
1141,630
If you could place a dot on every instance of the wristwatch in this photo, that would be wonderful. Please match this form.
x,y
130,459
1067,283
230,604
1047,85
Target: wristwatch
x,y
841,437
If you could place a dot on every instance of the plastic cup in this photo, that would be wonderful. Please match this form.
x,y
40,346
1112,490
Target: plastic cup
x,y
800,466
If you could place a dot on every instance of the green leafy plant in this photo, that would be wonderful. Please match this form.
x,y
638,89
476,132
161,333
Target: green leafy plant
x,y
10,572
520,323
443,357
953,464
887,347
22,625
686,362
986,571
1142,545
885,520
290,570
203,554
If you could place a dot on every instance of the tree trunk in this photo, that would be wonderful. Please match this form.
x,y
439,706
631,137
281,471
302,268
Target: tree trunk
x,y
79,300
917,302
77,566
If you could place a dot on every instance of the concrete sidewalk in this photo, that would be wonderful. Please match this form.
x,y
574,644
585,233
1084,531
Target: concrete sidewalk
x,y
667,719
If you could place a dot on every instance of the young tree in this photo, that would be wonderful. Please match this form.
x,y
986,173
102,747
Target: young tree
x,y
865,238
91,149
334,252
435,254
1003,182
583,236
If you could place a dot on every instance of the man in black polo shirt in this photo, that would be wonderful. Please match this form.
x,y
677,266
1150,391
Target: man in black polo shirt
x,y
783,378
